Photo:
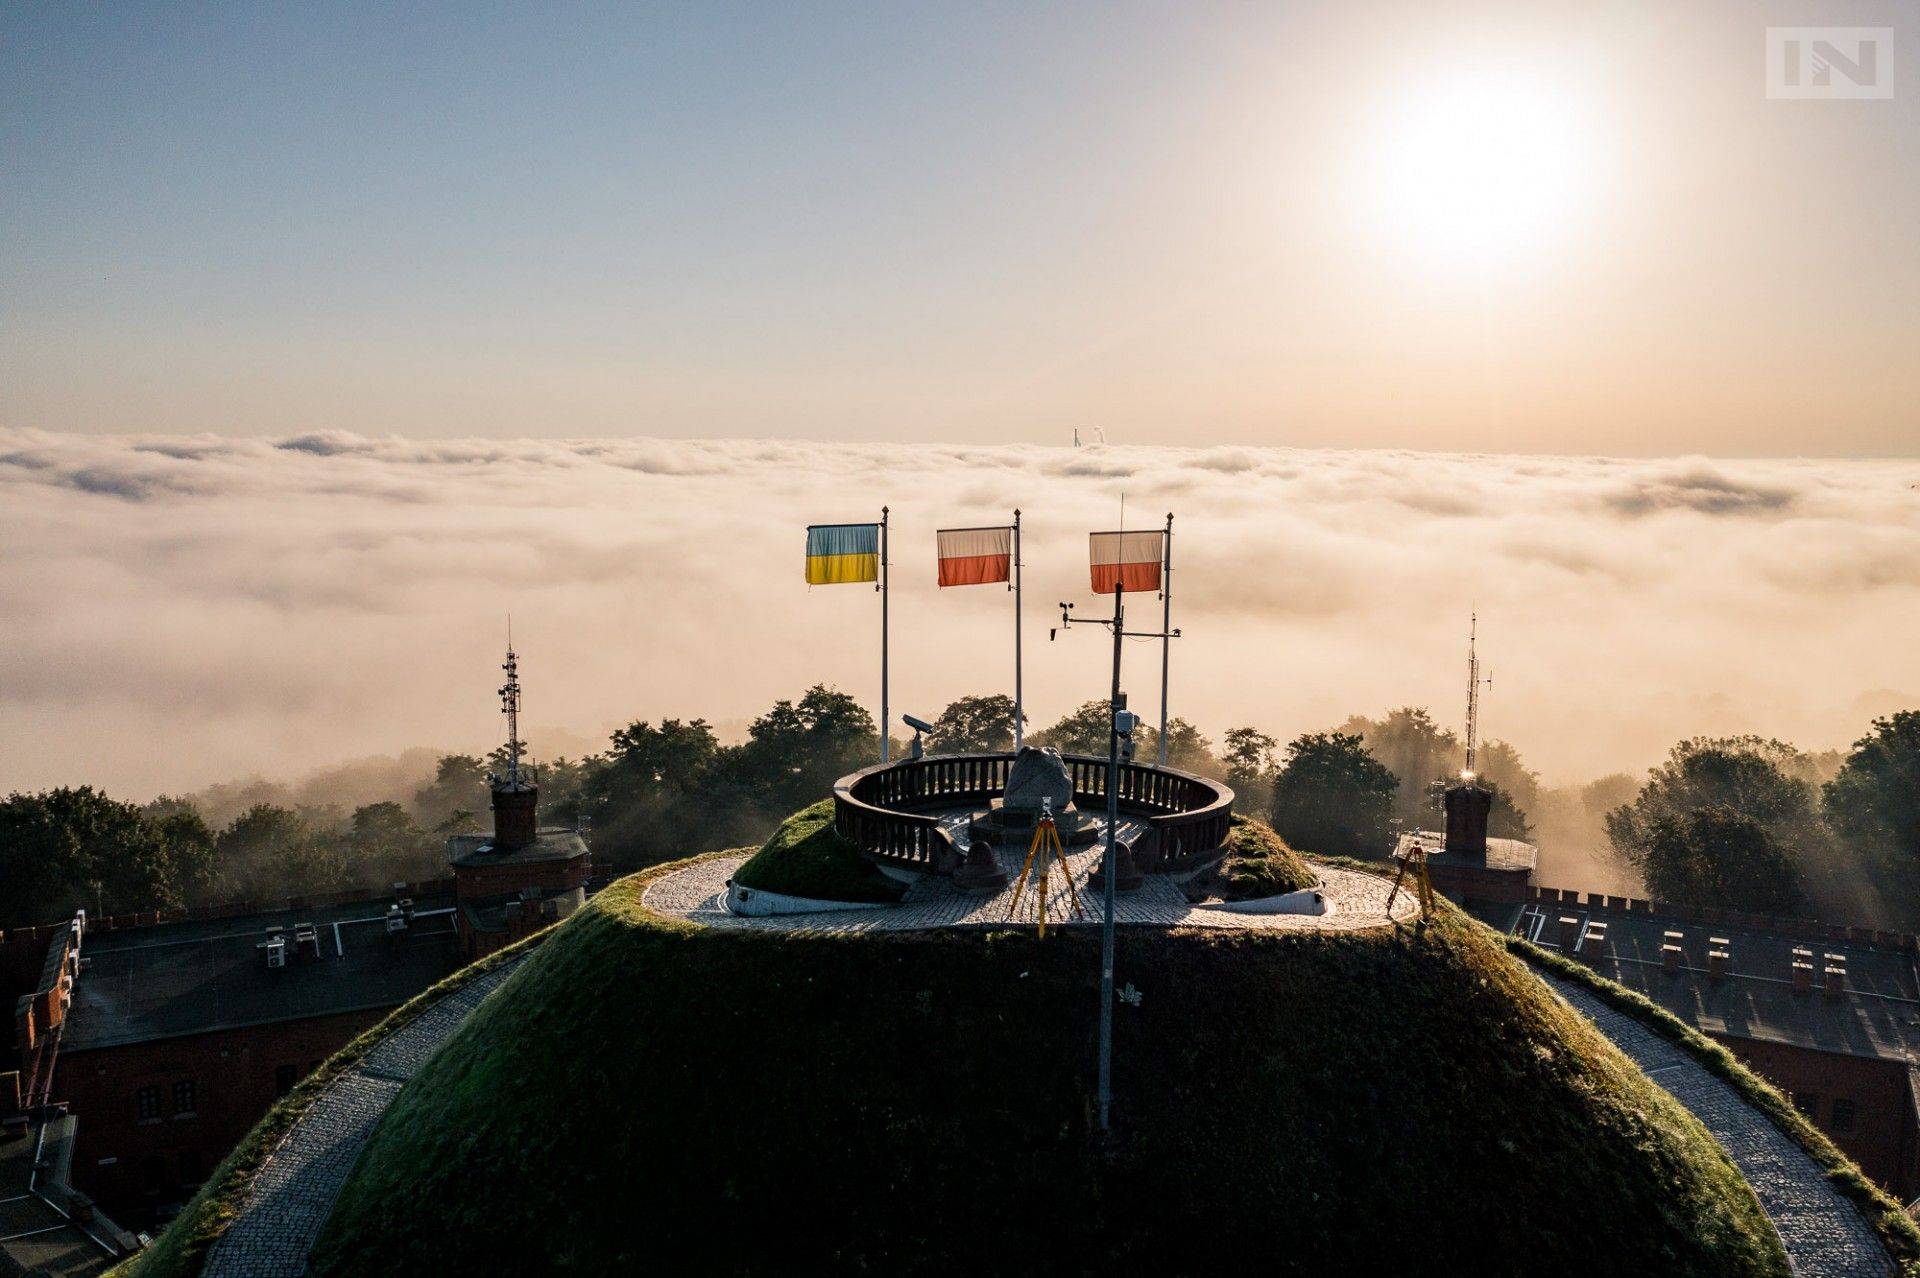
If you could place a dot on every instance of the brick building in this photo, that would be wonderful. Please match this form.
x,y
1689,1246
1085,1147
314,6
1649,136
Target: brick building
x,y
157,1042
1829,1014
182,1034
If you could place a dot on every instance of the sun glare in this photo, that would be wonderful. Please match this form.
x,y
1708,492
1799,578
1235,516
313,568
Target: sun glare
x,y
1479,170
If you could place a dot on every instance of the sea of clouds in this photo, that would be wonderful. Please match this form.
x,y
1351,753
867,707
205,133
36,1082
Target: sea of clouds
x,y
181,610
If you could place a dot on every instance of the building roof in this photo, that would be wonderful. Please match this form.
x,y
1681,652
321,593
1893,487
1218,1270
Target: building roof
x,y
36,1234
1502,854
1878,1016
553,843
194,977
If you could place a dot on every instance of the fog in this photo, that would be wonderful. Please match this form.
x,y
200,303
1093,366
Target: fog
x,y
188,610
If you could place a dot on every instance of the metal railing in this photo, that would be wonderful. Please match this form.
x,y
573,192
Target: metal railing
x,y
885,809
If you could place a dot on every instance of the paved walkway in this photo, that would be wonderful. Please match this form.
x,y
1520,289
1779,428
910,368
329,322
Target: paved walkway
x,y
1824,1233
294,1190
699,894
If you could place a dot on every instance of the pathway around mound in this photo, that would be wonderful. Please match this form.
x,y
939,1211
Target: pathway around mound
x,y
699,895
293,1191
1824,1233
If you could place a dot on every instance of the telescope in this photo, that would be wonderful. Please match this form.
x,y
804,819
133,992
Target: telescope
x,y
918,725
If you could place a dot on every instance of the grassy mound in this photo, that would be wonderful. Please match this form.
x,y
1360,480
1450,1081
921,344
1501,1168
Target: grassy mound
x,y
1259,863
644,1093
807,857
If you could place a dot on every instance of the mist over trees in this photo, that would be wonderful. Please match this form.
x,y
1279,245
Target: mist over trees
x,y
1743,822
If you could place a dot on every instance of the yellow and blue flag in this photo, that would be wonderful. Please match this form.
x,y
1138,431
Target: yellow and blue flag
x,y
841,553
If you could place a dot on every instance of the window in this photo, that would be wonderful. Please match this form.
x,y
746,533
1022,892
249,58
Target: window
x,y
183,1098
190,1167
1843,1115
1807,1103
284,1079
146,1104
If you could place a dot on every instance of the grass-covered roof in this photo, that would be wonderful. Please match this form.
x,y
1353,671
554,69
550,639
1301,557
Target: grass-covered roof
x,y
645,1092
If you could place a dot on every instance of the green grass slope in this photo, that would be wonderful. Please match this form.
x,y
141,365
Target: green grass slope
x,y
807,857
646,1094
1259,863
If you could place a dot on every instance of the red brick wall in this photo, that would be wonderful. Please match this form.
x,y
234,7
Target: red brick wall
x,y
1882,1135
233,1072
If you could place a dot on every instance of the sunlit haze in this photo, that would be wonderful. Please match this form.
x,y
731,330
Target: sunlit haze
x,y
1535,228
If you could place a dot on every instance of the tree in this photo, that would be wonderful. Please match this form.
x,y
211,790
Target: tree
x,y
1332,797
636,794
1717,857
1417,751
796,751
1186,747
271,851
1749,776
1248,756
1498,763
975,725
1250,763
1874,802
1084,730
69,849
457,793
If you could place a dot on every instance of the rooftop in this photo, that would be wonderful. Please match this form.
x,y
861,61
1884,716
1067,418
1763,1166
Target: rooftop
x,y
1502,854
553,843
194,977
1754,997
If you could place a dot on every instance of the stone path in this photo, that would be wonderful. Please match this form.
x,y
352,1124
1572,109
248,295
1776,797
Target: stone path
x,y
699,895
1825,1235
294,1190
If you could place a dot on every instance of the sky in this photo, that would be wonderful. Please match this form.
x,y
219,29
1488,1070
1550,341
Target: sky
x,y
184,610
330,335
1539,228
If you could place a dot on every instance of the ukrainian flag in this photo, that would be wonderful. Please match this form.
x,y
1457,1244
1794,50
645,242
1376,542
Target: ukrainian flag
x,y
840,553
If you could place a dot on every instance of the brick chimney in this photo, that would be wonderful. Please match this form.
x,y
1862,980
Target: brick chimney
x,y
515,815
1468,807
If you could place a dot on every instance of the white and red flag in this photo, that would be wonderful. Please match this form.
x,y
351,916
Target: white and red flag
x,y
975,556
1127,561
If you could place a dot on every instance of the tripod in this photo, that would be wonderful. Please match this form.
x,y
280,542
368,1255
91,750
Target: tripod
x,y
1416,856
1046,849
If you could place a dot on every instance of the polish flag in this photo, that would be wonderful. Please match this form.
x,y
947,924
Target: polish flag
x,y
1127,561
974,556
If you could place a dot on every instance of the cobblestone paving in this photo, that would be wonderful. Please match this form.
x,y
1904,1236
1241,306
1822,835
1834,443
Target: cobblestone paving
x,y
295,1188
699,894
1825,1235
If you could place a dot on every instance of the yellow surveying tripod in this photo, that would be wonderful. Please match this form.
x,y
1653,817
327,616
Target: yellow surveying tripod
x,y
1046,849
1415,857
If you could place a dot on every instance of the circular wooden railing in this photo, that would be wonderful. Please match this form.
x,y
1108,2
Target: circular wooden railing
x,y
888,809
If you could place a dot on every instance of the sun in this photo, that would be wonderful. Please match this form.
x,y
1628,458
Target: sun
x,y
1479,170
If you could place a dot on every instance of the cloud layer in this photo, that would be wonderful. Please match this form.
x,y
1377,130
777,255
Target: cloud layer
x,y
187,609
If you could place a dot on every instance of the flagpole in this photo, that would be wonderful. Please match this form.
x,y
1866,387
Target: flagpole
x,y
1166,630
1019,715
886,721
1109,866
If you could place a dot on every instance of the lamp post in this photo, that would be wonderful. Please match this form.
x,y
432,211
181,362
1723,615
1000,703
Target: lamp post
x,y
1120,727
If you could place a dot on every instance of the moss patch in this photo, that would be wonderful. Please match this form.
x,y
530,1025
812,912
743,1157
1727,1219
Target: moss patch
x,y
1259,863
807,857
1405,1099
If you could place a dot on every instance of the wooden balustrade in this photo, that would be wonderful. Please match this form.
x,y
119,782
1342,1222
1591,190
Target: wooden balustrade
x,y
885,809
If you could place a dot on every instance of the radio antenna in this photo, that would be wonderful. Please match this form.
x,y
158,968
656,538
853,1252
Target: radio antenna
x,y
1473,693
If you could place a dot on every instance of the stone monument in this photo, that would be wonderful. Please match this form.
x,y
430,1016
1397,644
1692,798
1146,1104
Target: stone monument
x,y
1038,776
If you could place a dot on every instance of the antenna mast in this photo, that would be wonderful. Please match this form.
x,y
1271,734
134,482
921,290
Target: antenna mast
x,y
1473,693
510,703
